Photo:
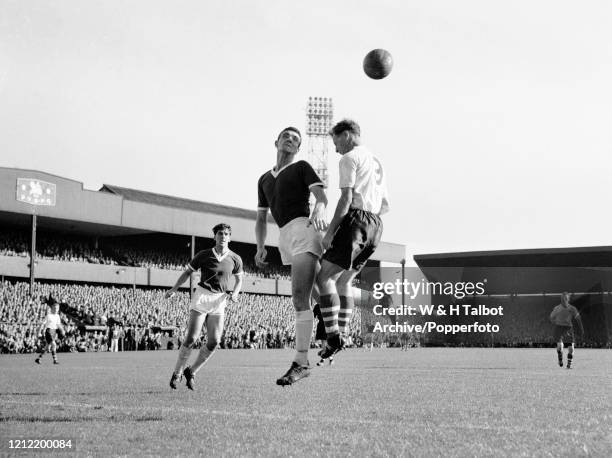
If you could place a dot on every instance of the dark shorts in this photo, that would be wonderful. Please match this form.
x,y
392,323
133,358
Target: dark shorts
x,y
563,334
50,335
356,239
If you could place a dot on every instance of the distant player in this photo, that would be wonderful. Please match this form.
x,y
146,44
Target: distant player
x,y
51,328
562,316
354,232
217,265
285,191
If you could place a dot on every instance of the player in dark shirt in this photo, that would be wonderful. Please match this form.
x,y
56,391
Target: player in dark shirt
x,y
562,317
285,191
217,265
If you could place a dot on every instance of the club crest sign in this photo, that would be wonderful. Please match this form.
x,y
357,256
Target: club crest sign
x,y
36,192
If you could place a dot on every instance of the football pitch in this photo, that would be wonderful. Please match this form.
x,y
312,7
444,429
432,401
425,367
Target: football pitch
x,y
387,402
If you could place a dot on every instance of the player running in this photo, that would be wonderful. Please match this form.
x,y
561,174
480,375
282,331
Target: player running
x,y
285,191
354,232
51,327
207,306
561,317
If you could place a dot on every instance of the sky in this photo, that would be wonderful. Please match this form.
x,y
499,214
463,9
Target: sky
x,y
494,127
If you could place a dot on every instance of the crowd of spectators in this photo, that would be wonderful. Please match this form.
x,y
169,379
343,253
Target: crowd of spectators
x,y
140,319
115,251
49,246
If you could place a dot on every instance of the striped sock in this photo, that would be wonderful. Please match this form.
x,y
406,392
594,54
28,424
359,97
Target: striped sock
x,y
330,307
347,303
570,357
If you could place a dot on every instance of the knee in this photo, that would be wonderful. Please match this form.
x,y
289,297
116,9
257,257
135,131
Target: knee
x,y
325,284
188,342
212,345
344,288
301,294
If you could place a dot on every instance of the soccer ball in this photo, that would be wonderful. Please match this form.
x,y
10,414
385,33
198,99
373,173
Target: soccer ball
x,y
378,63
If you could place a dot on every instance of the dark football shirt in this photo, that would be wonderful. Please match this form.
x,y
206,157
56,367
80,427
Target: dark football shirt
x,y
215,272
286,191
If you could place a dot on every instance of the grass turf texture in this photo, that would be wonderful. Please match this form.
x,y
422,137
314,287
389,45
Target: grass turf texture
x,y
421,402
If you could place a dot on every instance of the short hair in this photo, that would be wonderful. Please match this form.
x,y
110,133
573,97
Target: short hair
x,y
222,227
291,128
344,125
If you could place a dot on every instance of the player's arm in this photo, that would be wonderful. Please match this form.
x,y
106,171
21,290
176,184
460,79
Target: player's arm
x,y
318,213
261,232
342,208
182,279
42,328
237,286
384,208
579,322
553,315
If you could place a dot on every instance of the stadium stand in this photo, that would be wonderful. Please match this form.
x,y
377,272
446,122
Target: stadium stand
x,y
142,317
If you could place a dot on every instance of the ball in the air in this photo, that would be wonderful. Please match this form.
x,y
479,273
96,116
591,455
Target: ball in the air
x,y
378,63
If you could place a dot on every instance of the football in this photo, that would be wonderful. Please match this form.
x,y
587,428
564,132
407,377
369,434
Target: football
x,y
378,63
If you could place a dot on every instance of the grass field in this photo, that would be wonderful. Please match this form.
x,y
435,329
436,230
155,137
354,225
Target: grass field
x,y
423,402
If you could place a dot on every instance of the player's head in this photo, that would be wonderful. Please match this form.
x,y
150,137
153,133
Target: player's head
x,y
346,135
223,233
54,308
565,297
289,140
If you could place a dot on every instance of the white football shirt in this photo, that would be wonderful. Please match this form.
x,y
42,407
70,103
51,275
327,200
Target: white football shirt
x,y
362,171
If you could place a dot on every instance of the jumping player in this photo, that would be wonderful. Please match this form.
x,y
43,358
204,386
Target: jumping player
x,y
207,306
51,327
561,317
354,232
285,191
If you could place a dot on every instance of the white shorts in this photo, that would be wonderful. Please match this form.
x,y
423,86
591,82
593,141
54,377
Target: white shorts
x,y
206,302
297,237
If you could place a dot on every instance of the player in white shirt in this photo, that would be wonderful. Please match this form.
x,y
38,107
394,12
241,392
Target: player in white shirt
x,y
51,327
354,232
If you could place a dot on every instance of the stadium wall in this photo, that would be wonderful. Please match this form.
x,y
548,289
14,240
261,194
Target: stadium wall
x,y
77,205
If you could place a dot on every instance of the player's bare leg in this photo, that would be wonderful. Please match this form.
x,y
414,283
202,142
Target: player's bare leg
x,y
196,320
214,329
302,280
54,352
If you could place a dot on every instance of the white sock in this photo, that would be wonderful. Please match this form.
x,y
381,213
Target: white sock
x,y
303,332
181,361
